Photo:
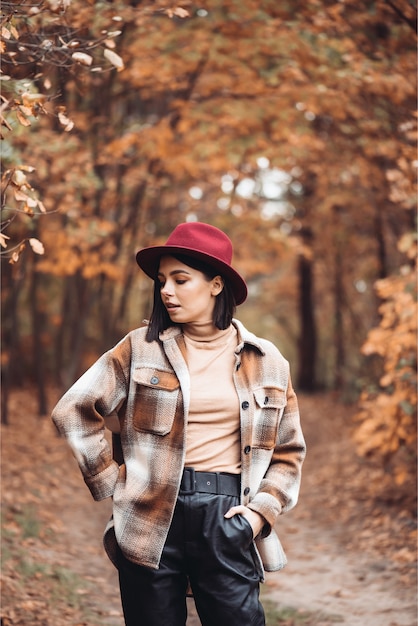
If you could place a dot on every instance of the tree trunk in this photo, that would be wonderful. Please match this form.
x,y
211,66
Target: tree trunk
x,y
381,246
12,368
338,321
37,347
78,316
59,356
69,342
307,337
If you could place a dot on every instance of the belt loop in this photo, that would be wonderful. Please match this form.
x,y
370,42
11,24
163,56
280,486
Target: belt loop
x,y
191,479
218,482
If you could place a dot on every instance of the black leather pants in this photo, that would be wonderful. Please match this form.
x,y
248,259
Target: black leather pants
x,y
213,553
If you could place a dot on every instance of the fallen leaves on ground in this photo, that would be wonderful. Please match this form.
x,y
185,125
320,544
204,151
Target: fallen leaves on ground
x,y
52,563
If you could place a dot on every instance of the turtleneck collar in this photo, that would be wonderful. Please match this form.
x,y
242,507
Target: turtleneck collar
x,y
245,337
204,331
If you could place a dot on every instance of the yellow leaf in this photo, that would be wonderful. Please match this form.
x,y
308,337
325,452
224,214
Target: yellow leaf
x,y
19,178
65,121
36,245
22,119
26,168
31,202
25,109
20,196
386,380
178,11
3,242
114,59
28,210
82,58
29,99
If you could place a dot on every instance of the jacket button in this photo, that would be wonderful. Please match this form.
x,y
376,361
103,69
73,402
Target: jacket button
x,y
154,380
266,399
246,491
245,404
247,449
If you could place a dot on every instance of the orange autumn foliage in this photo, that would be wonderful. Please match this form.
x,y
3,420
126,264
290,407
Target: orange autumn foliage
x,y
139,115
388,416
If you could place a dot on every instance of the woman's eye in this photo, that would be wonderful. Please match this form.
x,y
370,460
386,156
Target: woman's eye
x,y
180,281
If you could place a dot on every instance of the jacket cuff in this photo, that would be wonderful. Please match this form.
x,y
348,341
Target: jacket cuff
x,y
268,507
102,485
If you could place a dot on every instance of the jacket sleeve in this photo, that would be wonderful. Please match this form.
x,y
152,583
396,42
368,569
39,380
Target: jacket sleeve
x,y
79,417
279,489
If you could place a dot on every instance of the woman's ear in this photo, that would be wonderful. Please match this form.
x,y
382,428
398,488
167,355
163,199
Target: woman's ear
x,y
217,285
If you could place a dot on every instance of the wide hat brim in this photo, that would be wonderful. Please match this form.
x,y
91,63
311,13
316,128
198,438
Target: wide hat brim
x,y
148,260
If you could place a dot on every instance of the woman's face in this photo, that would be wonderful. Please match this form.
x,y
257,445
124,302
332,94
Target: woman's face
x,y
188,295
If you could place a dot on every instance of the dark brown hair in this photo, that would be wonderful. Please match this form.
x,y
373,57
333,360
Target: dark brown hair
x,y
224,305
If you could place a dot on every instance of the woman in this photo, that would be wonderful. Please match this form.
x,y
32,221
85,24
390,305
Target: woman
x,y
210,437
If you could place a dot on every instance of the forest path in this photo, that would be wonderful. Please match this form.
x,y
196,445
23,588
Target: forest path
x,y
351,561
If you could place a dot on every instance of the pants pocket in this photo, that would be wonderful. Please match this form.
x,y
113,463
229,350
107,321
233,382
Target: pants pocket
x,y
243,530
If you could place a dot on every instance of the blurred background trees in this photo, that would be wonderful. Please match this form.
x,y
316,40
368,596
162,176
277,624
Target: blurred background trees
x,y
290,125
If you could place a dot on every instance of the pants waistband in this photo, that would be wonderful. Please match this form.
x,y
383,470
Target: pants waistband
x,y
219,483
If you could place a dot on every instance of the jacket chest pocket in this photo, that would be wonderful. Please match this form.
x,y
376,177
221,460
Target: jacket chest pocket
x,y
156,398
269,407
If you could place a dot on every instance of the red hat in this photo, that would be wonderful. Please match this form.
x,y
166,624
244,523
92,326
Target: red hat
x,y
200,241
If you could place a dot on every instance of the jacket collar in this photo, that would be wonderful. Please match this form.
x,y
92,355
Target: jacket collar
x,y
170,333
245,337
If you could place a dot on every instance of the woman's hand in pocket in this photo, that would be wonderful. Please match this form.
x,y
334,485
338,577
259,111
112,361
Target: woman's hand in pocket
x,y
255,520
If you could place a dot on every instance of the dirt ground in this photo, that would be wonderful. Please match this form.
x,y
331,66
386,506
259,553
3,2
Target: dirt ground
x,y
351,541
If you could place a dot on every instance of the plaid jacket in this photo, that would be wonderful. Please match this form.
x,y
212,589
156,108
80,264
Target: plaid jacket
x,y
148,386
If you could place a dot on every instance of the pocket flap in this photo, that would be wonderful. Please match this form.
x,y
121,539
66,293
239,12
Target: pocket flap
x,y
270,397
156,379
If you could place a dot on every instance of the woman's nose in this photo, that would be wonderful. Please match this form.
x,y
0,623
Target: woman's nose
x,y
167,290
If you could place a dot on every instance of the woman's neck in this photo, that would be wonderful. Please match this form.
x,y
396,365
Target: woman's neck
x,y
203,331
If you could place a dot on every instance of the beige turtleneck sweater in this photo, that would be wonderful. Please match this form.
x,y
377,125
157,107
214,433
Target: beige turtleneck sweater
x,y
213,430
